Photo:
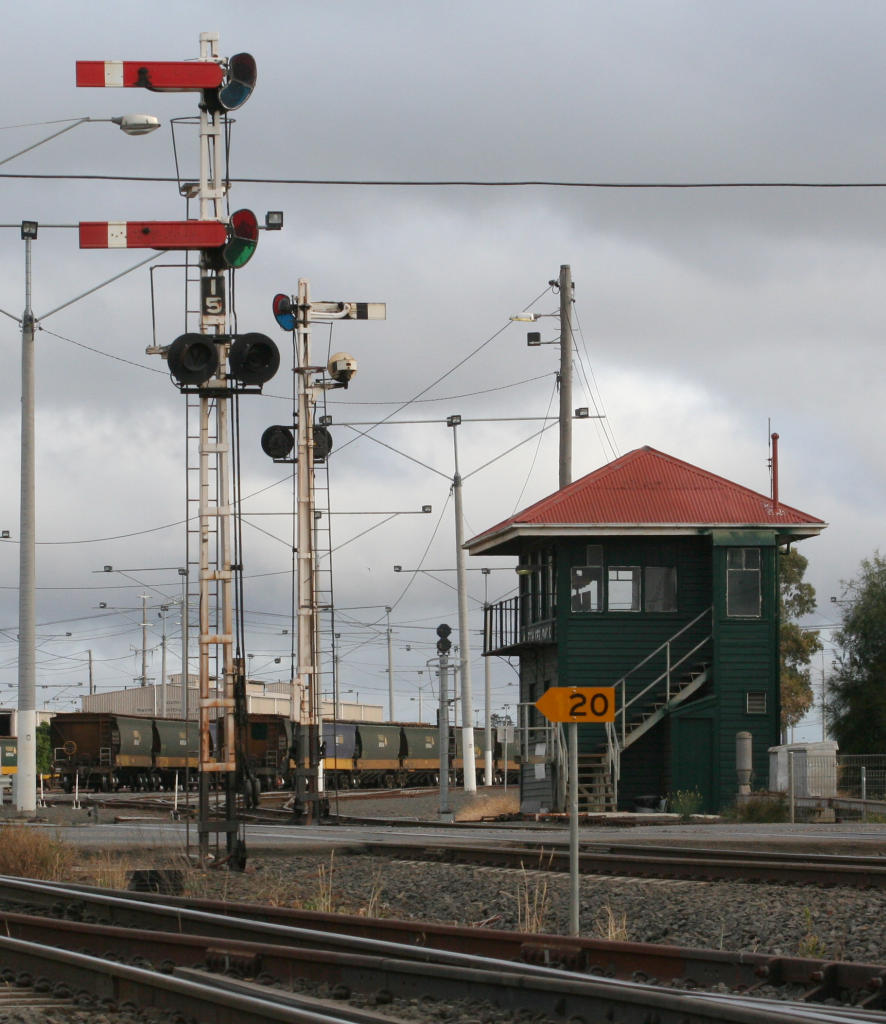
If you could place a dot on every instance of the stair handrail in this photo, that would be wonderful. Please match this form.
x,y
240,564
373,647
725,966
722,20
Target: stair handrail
x,y
613,754
666,646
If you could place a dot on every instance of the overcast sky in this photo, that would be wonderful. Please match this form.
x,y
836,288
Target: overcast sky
x,y
703,314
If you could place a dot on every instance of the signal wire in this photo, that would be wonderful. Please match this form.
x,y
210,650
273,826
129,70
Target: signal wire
x,y
603,424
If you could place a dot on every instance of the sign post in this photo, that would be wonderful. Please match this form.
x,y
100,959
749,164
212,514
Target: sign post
x,y
574,704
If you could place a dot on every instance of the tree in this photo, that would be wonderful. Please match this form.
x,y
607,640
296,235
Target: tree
x,y
857,686
44,749
796,645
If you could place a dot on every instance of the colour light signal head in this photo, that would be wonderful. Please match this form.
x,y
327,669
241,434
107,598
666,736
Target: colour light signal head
x,y
192,358
253,358
277,442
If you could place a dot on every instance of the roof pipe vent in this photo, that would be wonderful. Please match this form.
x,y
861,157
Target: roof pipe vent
x,y
775,470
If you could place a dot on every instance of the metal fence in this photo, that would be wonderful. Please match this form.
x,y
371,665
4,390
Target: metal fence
x,y
845,787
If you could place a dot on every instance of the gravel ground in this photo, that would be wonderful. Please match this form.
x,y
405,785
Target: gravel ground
x,y
846,924
843,924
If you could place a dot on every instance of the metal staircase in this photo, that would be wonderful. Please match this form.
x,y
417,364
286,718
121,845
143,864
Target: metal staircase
x,y
685,673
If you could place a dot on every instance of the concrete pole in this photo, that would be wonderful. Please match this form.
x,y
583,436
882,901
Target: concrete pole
x,y
144,639
163,711
464,643
487,668
565,375
390,668
445,813
26,780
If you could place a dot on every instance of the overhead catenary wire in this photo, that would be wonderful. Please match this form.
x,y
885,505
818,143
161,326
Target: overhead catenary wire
x,y
559,183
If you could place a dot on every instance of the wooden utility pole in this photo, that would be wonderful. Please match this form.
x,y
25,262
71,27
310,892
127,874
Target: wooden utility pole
x,y
566,297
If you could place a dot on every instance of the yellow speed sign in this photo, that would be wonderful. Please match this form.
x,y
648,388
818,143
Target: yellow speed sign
x,y
578,704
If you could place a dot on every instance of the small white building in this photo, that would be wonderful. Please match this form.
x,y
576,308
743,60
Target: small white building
x,y
813,765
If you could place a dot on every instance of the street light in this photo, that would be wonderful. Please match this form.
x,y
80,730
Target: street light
x,y
26,779
129,124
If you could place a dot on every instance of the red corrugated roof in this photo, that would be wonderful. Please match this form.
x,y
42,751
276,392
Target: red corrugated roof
x,y
649,487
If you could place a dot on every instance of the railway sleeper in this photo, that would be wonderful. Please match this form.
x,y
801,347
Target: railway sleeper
x,y
842,982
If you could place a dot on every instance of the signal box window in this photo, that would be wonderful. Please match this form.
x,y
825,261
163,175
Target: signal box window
x,y
624,588
661,588
587,581
587,588
743,583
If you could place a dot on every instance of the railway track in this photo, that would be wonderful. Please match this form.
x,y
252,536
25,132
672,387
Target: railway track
x,y
652,862
168,940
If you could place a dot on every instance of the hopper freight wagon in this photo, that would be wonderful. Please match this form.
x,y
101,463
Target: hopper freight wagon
x,y
107,752
498,763
268,740
8,755
368,754
103,751
456,743
340,769
176,747
378,755
421,761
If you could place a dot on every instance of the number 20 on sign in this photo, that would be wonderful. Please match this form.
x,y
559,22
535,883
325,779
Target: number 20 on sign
x,y
578,704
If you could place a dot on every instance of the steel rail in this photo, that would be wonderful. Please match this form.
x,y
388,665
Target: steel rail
x,y
105,980
247,925
863,873
544,990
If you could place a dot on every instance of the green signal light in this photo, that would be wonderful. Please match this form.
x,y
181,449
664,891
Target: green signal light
x,y
242,239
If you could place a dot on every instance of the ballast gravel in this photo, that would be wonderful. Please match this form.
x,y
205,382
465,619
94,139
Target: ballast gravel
x,y
828,923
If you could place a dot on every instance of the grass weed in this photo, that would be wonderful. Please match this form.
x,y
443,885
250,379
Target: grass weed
x,y
760,808
31,853
685,802
811,944
610,924
533,901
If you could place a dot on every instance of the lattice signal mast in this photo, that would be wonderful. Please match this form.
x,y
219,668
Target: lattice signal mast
x,y
213,364
296,313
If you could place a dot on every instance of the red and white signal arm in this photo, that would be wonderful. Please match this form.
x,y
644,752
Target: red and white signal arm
x,y
157,75
152,234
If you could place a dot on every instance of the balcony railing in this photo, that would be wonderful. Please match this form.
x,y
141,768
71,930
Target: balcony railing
x,y
517,622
